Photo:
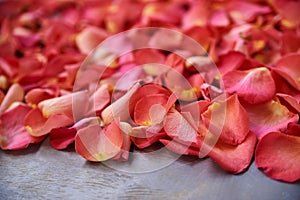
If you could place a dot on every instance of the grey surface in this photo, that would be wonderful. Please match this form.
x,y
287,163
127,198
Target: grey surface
x,y
41,172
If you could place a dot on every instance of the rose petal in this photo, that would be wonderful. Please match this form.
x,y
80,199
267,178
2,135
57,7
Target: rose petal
x,y
195,109
97,144
150,109
288,68
289,11
179,148
219,19
12,131
61,138
147,89
246,11
229,119
89,38
182,130
100,99
197,15
234,158
14,94
57,63
282,86
34,96
144,136
230,61
290,102
120,108
125,148
64,104
277,154
37,125
253,86
268,117
293,129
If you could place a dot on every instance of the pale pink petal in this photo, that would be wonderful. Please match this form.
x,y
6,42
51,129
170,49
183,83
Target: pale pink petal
x,y
64,105
120,108
89,38
14,94
246,11
219,19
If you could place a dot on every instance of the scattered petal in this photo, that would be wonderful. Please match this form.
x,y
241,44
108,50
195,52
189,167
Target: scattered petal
x,y
14,94
97,144
253,86
12,131
288,68
269,117
37,125
277,154
234,158
228,119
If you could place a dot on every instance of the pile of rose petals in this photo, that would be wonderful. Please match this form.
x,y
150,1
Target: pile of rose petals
x,y
255,45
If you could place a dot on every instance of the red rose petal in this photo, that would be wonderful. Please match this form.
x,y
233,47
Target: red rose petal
x,y
97,144
268,117
277,154
182,130
253,86
293,129
150,109
231,61
12,131
228,118
37,125
234,158
290,102
288,68
179,148
34,96
62,137
289,11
